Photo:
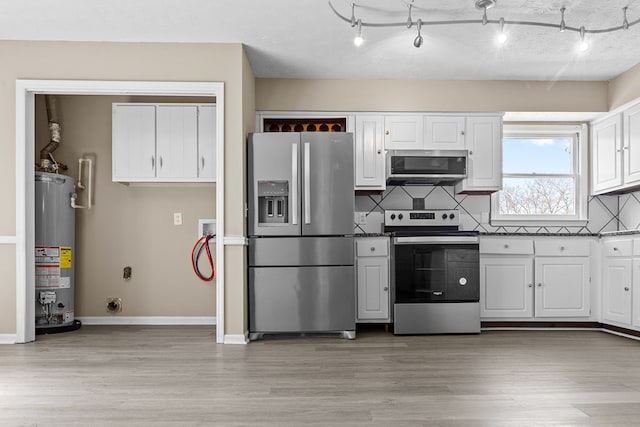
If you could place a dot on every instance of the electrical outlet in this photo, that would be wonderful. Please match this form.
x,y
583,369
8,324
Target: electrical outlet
x,y
361,218
177,218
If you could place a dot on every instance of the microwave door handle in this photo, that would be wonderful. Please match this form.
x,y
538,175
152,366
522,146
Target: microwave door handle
x,y
307,183
294,183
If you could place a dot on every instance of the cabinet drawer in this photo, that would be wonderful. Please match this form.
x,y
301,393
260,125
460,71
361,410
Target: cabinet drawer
x,y
617,248
562,247
372,246
506,246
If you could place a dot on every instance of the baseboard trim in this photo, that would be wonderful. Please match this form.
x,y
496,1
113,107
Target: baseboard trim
x,y
235,339
588,326
541,325
8,338
148,320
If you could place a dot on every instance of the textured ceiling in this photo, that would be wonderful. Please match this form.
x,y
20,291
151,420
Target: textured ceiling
x,y
305,39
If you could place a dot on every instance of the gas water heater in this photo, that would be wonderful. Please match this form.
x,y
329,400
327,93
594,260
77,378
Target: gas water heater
x,y
54,252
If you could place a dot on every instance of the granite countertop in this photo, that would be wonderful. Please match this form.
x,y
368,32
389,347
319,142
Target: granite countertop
x,y
619,233
542,234
372,235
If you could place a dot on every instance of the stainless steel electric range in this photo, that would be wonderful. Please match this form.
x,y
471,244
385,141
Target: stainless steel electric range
x,y
435,273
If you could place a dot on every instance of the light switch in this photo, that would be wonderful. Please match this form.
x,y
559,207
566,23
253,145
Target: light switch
x,y
177,218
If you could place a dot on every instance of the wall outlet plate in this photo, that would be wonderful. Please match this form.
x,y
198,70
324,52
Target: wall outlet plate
x,y
206,226
177,218
360,218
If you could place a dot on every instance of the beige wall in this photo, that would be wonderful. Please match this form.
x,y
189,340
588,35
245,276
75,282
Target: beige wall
x,y
430,95
121,61
624,88
129,225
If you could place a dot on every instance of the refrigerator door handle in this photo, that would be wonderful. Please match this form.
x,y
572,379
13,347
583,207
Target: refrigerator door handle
x,y
294,183
307,183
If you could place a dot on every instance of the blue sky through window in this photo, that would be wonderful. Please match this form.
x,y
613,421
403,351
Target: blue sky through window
x,y
551,155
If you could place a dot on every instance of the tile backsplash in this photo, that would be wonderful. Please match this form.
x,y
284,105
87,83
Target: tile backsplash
x,y
603,211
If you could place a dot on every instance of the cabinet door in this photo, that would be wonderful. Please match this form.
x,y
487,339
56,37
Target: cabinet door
x,y
484,142
562,287
631,145
606,154
369,153
444,133
635,277
133,142
616,290
403,132
506,286
207,142
373,288
177,141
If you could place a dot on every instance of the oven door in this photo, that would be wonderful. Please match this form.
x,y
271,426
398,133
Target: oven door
x,y
436,269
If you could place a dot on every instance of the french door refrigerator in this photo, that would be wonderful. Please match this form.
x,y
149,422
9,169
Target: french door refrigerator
x,y
300,225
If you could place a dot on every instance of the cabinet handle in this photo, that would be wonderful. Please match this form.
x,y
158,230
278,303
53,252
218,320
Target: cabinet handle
x,y
539,285
386,132
618,151
373,248
153,162
625,148
160,162
506,246
470,153
562,248
202,163
530,285
462,132
615,249
379,151
386,288
626,288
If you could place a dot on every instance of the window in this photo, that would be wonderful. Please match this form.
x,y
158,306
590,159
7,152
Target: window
x,y
543,176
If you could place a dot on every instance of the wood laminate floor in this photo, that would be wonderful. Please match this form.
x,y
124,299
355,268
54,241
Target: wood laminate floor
x,y
178,376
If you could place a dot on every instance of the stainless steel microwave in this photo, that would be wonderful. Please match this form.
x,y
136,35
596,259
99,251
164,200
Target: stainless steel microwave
x,y
426,167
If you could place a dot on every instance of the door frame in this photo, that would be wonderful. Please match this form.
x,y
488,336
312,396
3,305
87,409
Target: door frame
x,y
25,180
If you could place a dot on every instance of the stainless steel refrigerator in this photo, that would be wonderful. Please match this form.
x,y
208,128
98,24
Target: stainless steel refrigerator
x,y
300,223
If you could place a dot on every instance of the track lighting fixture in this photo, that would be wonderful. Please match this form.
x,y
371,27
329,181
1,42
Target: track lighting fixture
x,y
358,39
482,5
417,42
502,37
584,46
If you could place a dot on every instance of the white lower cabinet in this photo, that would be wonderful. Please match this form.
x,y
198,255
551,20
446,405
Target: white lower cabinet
x,y
621,281
373,294
562,287
505,286
527,279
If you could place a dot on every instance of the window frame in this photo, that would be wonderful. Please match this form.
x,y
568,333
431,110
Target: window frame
x,y
579,167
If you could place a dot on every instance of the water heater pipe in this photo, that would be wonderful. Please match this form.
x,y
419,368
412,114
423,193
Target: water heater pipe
x,y
54,128
82,186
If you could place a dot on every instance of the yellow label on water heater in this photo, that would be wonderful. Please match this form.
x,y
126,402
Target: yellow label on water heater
x,y
65,256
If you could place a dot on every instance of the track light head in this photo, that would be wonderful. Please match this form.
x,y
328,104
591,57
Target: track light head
x,y
359,40
417,42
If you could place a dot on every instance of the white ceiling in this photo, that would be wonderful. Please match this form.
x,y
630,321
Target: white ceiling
x,y
304,39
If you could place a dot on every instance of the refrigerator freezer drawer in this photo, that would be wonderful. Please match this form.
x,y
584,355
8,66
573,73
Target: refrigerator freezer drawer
x,y
301,299
298,251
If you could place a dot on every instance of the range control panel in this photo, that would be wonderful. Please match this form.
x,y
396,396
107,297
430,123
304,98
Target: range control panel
x,y
426,218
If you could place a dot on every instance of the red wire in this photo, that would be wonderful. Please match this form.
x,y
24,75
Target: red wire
x,y
205,241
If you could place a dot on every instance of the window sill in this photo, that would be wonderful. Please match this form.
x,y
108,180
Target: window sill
x,y
516,222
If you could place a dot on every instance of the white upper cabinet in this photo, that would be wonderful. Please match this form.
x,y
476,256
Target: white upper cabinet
x,y
403,132
164,142
369,153
177,141
484,166
207,131
615,152
444,132
631,144
134,142
606,154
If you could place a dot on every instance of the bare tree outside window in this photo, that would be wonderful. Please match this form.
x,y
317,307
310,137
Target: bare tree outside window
x,y
537,196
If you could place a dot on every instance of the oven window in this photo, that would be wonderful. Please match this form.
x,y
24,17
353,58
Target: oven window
x,y
432,273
